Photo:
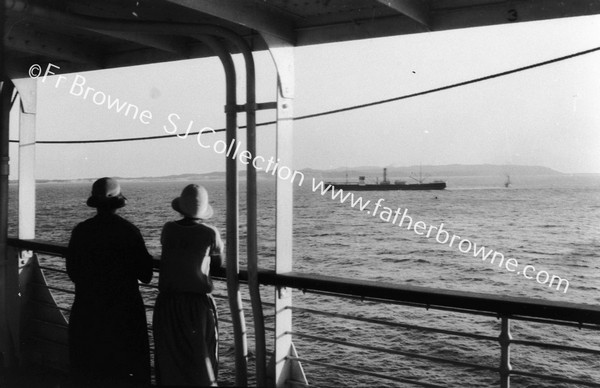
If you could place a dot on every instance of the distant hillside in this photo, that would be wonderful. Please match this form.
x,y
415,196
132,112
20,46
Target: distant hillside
x,y
209,176
371,172
434,172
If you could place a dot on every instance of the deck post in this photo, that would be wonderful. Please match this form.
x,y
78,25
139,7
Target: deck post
x,y
9,272
232,216
284,370
505,339
27,88
251,196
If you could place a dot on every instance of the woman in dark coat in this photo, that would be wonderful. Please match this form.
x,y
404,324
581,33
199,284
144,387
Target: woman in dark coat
x,y
108,338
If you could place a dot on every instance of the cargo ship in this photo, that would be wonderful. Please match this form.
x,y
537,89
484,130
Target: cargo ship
x,y
386,185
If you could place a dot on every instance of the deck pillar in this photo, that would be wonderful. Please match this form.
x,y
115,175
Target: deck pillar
x,y
232,216
9,272
505,339
283,369
27,88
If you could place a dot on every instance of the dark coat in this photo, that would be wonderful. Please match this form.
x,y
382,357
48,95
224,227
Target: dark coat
x,y
108,335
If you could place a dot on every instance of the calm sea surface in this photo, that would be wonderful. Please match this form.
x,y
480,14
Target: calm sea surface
x,y
551,223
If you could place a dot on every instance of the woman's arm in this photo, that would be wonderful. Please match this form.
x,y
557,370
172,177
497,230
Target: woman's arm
x,y
216,251
143,259
73,256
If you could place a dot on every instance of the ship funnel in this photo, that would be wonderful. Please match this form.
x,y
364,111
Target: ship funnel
x,y
384,175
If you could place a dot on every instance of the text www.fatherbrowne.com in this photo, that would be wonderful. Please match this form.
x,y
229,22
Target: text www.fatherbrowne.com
x,y
402,219
79,88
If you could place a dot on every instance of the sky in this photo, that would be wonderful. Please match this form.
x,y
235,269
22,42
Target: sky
x,y
548,116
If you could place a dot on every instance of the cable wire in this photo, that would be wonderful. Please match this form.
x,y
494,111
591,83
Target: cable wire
x,y
346,109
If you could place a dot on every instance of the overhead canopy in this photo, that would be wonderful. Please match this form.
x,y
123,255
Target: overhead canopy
x,y
89,34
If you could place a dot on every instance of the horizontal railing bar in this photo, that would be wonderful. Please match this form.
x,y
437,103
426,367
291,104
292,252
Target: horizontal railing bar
x,y
561,323
395,324
42,303
54,324
268,304
510,307
53,288
250,324
502,305
296,383
462,311
52,269
396,352
401,303
245,300
40,246
365,372
150,306
225,297
556,346
48,341
554,378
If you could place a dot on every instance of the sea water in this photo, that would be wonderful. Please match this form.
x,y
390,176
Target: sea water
x,y
551,223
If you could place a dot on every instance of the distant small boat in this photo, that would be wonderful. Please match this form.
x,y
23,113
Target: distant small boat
x,y
386,185
507,183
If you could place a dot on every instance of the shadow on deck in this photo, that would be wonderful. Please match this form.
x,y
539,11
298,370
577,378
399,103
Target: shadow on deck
x,y
33,377
42,377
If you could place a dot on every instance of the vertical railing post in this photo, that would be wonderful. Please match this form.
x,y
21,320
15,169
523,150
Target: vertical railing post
x,y
27,88
251,195
505,338
232,227
9,272
283,295
284,369
251,200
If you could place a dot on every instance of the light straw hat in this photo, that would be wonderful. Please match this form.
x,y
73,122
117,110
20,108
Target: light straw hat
x,y
193,202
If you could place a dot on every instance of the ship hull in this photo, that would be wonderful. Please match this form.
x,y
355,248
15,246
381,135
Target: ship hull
x,y
391,187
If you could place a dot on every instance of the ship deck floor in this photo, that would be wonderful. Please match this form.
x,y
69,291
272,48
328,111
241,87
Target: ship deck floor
x,y
33,377
42,377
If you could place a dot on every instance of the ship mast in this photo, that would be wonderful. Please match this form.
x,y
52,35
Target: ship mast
x,y
420,180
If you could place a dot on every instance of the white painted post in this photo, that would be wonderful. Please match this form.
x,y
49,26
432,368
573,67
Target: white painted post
x,y
284,369
283,263
505,339
27,89
9,271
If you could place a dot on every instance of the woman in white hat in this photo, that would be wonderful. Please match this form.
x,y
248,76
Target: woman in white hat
x,y
108,336
185,315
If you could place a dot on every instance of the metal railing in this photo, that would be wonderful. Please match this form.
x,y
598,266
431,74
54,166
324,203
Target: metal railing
x,y
503,340
503,310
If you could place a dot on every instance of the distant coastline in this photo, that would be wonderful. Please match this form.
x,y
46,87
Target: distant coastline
x,y
434,172
429,172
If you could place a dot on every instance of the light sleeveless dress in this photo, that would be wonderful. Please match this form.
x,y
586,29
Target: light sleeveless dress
x,y
185,315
